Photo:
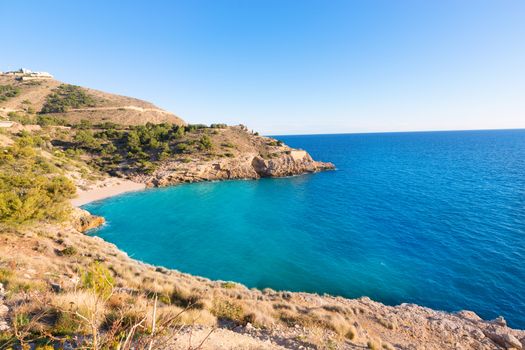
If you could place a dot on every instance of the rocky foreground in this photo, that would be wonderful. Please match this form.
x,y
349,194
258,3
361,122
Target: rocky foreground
x,y
218,314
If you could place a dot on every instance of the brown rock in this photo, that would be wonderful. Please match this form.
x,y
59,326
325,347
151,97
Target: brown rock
x,y
504,339
84,221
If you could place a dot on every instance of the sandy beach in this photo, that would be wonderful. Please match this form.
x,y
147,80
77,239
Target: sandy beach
x,y
108,188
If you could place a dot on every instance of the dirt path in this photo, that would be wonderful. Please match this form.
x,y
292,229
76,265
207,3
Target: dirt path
x,y
133,108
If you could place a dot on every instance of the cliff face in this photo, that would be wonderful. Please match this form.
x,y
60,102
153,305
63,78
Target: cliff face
x,y
243,166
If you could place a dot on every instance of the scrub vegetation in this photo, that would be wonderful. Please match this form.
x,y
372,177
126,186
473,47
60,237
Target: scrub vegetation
x,y
31,187
8,91
66,97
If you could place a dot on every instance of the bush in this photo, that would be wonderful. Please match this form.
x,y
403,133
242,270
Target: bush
x,y
228,285
86,139
194,127
218,126
109,126
84,124
8,91
227,310
275,143
21,118
69,251
205,142
5,275
47,120
185,299
66,97
98,279
30,187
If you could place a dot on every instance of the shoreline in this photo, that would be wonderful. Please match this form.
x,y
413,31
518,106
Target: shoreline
x,y
105,189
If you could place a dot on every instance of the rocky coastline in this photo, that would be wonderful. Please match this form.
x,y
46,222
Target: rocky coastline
x,y
48,263
245,166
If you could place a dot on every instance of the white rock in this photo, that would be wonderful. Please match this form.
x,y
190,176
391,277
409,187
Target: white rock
x,y
4,326
3,310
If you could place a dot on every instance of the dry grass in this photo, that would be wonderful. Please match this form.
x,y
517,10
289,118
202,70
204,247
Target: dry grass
x,y
31,271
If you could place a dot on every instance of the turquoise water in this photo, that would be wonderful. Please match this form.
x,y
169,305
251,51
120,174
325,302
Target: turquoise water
x,y
433,218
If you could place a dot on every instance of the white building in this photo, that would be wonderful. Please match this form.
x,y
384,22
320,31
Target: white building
x,y
26,74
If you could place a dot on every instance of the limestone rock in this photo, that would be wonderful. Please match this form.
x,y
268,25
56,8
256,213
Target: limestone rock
x,y
469,315
84,221
503,339
245,166
3,310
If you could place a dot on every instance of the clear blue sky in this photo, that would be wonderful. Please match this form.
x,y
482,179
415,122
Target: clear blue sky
x,y
284,67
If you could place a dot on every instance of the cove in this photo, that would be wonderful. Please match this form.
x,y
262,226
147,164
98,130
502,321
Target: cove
x,y
434,218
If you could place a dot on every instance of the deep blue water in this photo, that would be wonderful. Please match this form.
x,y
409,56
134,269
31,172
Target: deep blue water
x,y
435,218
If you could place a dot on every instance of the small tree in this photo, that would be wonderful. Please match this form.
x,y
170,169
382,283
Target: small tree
x,y
205,142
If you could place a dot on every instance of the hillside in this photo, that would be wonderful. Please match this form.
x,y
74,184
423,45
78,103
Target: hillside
x,y
61,288
31,97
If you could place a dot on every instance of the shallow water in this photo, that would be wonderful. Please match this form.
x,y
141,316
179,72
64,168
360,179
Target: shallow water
x,y
436,219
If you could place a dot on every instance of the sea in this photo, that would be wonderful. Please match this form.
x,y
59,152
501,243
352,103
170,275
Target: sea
x,y
432,218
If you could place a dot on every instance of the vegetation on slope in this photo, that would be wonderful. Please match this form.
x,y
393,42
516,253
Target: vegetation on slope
x,y
31,187
103,148
113,148
8,91
66,97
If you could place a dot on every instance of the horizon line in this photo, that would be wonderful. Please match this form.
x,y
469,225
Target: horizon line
x,y
398,132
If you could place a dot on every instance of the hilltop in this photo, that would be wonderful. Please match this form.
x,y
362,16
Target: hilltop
x,y
62,288
52,99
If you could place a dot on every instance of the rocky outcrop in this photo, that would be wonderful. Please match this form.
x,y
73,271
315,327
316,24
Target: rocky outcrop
x,y
84,221
291,163
245,166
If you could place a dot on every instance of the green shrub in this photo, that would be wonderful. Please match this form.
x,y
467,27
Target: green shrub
x,y
5,275
21,118
30,186
47,120
98,279
227,310
66,97
8,91
66,324
22,320
194,127
228,285
218,126
205,142
86,139
109,126
275,143
69,251
84,124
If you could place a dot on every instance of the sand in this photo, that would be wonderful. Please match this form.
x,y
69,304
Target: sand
x,y
107,188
